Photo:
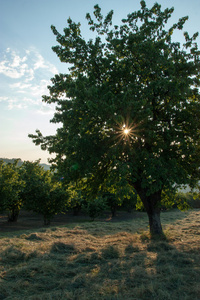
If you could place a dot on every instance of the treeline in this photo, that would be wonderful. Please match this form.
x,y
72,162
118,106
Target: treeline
x,y
31,187
20,162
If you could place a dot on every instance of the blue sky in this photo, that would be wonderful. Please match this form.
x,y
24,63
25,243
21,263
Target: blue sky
x,y
27,62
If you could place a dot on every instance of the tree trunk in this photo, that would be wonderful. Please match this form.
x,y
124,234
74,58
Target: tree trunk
x,y
114,211
13,215
154,222
47,220
151,204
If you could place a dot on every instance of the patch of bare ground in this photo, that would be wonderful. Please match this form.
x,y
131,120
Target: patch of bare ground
x,y
103,260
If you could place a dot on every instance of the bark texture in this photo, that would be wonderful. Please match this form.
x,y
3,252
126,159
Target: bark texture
x,y
154,222
151,204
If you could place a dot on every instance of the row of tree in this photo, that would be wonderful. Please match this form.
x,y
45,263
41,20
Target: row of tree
x,y
31,187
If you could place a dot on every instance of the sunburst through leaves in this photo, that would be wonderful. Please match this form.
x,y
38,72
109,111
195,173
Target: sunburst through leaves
x,y
127,132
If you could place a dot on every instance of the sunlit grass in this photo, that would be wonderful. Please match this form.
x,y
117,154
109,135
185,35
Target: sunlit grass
x,y
103,260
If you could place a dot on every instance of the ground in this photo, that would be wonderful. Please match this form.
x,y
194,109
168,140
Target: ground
x,y
110,258
30,220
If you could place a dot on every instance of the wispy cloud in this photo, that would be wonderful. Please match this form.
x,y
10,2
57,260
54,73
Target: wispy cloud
x,y
14,66
28,76
15,104
41,63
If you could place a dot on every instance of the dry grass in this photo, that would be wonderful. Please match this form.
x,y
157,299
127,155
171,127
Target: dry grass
x,y
102,260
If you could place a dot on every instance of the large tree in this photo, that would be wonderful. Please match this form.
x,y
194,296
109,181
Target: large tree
x,y
129,105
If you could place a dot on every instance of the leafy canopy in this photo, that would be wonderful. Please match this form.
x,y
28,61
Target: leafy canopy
x,y
11,187
134,77
42,194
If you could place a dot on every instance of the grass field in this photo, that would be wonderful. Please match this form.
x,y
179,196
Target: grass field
x,y
102,260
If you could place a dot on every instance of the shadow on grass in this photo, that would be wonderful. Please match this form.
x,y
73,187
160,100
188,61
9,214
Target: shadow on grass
x,y
32,221
152,270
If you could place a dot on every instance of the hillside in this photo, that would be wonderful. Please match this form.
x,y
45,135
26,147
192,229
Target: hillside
x,y
11,160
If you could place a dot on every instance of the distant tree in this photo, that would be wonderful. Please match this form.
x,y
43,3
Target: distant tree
x,y
42,194
95,207
130,202
11,186
130,103
76,198
115,190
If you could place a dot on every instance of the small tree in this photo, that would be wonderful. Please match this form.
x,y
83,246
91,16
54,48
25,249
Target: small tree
x,y
129,102
76,198
11,187
95,208
41,193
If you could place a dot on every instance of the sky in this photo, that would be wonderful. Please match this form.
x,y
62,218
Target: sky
x,y
27,62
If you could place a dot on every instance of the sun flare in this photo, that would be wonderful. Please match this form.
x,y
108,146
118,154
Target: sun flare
x,y
127,132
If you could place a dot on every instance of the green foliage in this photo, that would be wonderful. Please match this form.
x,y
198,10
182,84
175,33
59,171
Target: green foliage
x,y
112,201
129,203
95,208
195,202
134,77
41,193
11,186
20,162
12,161
168,198
139,204
184,201
76,199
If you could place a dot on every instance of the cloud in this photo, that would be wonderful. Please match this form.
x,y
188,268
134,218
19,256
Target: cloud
x,y
41,63
14,66
36,105
27,76
20,86
46,109
36,89
3,99
14,104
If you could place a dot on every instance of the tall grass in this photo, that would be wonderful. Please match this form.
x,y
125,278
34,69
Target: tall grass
x,y
102,260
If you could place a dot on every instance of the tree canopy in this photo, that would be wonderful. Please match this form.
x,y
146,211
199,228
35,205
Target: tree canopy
x,y
129,106
11,186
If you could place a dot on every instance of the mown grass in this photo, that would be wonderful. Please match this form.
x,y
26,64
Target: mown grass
x,y
102,260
